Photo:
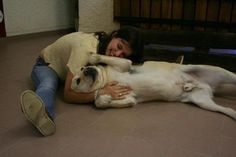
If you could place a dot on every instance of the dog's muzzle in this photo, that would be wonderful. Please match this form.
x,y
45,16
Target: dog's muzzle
x,y
88,72
91,72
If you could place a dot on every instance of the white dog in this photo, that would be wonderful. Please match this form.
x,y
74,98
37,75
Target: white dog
x,y
154,81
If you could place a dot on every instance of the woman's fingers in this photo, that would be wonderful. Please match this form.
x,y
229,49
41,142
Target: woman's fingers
x,y
122,87
112,83
116,90
122,93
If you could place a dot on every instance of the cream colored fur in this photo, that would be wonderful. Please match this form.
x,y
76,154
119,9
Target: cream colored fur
x,y
156,81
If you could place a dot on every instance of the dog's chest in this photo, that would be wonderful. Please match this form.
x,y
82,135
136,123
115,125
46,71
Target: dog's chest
x,y
146,79
152,84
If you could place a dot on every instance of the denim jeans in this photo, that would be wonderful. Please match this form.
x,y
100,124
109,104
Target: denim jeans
x,y
46,82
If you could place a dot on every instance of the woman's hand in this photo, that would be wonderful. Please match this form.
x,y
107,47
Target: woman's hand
x,y
115,90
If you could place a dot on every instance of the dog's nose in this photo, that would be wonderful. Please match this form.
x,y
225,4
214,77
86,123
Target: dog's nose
x,y
89,71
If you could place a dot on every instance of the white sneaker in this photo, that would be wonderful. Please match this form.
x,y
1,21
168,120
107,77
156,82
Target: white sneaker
x,y
34,110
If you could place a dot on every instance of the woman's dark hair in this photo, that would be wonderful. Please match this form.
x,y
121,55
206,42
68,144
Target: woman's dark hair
x,y
128,33
104,40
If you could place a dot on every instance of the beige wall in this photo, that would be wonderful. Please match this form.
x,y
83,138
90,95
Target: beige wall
x,y
30,16
96,15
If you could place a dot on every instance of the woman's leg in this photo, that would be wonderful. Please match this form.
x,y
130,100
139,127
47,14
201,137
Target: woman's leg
x,y
46,84
38,107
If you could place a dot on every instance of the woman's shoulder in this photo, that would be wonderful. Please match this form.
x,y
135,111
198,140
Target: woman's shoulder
x,y
78,35
72,39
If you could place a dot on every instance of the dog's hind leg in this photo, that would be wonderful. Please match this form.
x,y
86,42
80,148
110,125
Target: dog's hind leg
x,y
212,75
203,99
223,76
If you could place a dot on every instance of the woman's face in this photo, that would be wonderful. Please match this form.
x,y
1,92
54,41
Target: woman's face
x,y
118,48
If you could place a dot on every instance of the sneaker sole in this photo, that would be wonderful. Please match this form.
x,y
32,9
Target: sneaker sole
x,y
34,110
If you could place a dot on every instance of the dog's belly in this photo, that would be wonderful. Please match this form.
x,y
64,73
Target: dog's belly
x,y
158,85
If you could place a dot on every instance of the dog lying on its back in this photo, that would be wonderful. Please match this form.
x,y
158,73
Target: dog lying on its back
x,y
154,81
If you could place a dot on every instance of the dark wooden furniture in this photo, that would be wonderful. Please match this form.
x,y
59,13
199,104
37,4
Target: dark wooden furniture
x,y
201,24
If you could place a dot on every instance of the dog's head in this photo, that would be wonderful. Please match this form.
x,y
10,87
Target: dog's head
x,y
88,79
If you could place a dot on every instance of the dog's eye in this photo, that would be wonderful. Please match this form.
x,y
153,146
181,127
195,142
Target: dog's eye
x,y
82,69
78,81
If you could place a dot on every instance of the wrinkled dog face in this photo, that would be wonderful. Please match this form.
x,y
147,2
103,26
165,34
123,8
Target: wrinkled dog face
x,y
86,80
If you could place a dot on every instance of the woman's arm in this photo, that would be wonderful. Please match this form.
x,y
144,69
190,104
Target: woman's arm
x,y
76,97
113,89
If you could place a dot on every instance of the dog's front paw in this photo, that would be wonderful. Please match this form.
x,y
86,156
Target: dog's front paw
x,y
94,58
103,101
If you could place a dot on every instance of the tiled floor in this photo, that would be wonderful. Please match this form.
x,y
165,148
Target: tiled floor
x,y
146,130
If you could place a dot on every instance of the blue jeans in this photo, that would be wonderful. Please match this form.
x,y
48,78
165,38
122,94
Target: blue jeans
x,y
46,82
